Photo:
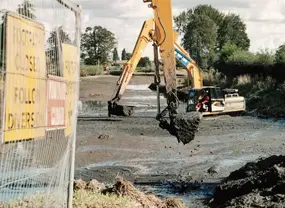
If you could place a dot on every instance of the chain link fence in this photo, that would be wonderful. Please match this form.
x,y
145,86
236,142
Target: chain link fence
x,y
40,46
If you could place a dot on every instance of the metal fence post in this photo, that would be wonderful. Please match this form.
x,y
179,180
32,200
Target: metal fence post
x,y
72,161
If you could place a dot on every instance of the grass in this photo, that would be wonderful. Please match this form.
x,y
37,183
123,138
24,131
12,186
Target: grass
x,y
121,195
91,70
86,199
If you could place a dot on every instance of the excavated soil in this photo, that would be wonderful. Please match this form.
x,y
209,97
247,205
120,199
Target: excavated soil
x,y
186,126
257,184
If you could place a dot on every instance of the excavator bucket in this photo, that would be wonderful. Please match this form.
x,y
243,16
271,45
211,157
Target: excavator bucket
x,y
185,126
182,126
120,110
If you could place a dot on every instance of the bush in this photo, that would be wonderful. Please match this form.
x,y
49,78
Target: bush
x,y
116,72
214,78
144,69
91,70
242,57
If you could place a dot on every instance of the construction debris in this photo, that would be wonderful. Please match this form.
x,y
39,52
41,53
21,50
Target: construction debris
x,y
257,184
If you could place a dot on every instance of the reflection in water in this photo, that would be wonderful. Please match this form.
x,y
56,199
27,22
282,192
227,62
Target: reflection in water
x,y
192,193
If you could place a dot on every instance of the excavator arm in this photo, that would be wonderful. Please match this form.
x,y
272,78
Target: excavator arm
x,y
128,70
194,73
182,126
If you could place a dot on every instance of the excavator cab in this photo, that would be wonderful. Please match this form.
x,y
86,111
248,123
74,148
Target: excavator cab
x,y
206,100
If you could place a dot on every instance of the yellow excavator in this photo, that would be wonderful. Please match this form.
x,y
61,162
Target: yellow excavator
x,y
159,31
220,101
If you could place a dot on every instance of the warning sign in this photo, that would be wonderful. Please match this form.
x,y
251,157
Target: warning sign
x,y
25,84
56,90
70,65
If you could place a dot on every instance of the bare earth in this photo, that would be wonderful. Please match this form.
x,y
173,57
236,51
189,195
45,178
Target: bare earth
x,y
139,150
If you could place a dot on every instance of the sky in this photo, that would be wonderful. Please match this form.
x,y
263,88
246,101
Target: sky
x,y
265,19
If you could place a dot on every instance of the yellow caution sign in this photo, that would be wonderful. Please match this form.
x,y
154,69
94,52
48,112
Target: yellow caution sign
x,y
70,65
25,82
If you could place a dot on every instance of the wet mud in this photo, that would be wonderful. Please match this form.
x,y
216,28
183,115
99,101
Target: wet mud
x,y
257,184
137,149
186,126
120,110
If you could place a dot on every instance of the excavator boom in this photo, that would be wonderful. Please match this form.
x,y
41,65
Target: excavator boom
x,y
182,126
128,70
160,31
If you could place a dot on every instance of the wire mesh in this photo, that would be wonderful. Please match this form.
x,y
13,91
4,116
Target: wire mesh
x,y
39,42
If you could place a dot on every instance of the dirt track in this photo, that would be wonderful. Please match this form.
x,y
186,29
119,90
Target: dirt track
x,y
139,150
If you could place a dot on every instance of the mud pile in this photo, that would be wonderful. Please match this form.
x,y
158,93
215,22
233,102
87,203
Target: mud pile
x,y
257,184
124,189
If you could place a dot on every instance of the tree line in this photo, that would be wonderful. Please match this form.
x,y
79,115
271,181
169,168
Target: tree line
x,y
217,40
214,40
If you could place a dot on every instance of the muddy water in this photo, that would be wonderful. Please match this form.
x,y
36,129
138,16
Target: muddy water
x,y
141,152
140,96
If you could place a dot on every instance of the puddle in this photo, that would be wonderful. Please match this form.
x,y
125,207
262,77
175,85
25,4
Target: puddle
x,y
150,97
138,87
143,104
193,194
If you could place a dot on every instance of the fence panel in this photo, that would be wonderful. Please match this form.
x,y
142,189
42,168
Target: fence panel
x,y
40,46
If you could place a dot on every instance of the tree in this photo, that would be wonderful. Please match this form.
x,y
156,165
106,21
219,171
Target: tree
x,y
233,30
115,55
62,35
144,62
227,51
206,31
200,39
124,54
128,56
96,45
280,55
56,37
27,9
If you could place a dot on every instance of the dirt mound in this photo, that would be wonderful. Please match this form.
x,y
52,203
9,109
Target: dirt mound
x,y
257,184
124,189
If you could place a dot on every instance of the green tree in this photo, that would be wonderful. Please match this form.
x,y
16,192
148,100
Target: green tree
x,y
96,45
280,55
128,56
60,34
144,62
265,57
227,51
200,39
233,30
124,54
115,55
56,37
206,31
27,9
